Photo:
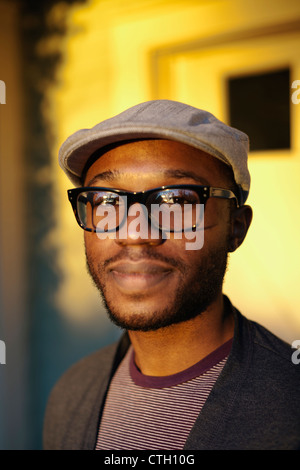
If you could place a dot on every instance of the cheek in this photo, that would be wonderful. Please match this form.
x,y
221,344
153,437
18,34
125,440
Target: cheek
x,y
215,212
191,243
97,249
217,222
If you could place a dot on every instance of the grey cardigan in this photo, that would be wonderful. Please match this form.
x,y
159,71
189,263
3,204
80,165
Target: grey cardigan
x,y
255,403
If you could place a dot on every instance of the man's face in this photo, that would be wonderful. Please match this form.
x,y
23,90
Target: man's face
x,y
148,284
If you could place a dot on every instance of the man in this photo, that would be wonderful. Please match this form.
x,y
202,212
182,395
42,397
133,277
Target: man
x,y
190,372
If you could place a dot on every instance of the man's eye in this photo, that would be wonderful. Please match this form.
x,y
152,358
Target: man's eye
x,y
179,197
106,200
173,200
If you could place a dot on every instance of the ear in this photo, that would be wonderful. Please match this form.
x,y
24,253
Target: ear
x,y
240,222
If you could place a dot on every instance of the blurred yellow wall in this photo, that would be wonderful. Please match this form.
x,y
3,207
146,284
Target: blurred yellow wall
x,y
120,53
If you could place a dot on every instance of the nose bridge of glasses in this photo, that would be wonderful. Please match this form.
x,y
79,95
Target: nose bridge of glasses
x,y
136,198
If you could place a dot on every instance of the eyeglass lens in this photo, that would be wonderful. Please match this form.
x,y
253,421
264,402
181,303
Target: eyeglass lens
x,y
170,209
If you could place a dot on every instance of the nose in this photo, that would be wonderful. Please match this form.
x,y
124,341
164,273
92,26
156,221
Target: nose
x,y
137,230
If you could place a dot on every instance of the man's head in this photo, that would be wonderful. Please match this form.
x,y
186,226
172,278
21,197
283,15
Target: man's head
x,y
148,283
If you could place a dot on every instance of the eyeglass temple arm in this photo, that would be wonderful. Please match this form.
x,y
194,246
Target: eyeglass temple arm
x,y
223,193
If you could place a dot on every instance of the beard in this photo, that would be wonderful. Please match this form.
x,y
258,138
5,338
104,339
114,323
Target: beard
x,y
193,297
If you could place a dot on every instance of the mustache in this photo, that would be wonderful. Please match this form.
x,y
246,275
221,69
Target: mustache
x,y
144,255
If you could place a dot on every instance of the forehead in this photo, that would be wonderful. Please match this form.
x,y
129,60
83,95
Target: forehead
x,y
155,163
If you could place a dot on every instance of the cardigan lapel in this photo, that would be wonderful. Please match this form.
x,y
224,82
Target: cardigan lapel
x,y
208,432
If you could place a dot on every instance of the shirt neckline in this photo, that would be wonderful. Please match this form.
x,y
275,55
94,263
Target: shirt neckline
x,y
148,381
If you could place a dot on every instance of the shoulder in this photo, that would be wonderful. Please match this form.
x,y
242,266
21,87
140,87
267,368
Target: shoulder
x,y
263,383
75,397
83,372
82,375
256,342
272,378
272,349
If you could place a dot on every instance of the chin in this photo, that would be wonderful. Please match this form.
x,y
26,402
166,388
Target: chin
x,y
152,320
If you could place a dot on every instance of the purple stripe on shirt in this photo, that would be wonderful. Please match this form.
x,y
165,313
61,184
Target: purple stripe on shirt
x,y
171,380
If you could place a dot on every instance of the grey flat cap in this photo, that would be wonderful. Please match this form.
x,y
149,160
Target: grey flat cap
x,y
161,119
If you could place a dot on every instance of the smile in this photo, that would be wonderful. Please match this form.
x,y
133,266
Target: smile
x,y
140,276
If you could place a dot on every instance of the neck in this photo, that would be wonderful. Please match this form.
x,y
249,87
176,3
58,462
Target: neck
x,y
174,348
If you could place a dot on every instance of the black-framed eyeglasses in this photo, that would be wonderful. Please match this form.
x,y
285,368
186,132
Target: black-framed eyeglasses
x,y
100,209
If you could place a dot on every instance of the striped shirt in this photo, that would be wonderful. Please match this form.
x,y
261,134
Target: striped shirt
x,y
156,413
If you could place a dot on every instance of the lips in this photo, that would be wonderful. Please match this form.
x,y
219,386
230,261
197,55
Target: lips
x,y
139,276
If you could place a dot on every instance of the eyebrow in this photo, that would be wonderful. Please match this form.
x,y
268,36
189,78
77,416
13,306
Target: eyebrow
x,y
110,175
180,174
